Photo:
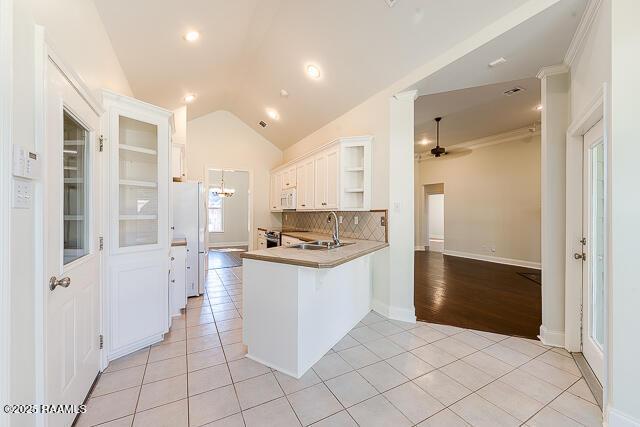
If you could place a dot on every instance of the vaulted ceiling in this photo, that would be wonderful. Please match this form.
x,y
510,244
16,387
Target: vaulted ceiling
x,y
251,49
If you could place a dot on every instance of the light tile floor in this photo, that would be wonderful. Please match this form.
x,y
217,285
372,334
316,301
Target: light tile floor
x,y
383,373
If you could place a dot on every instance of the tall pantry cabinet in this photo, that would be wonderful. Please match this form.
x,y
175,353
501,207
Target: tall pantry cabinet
x,y
136,174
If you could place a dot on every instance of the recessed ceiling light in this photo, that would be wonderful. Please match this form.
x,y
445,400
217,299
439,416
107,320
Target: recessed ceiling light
x,y
192,36
273,114
313,71
539,107
284,93
424,141
189,98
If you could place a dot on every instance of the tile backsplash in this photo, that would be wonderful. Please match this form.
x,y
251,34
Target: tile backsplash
x,y
371,225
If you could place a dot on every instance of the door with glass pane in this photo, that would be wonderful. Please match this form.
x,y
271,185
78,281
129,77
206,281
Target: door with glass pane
x,y
72,257
594,185
137,139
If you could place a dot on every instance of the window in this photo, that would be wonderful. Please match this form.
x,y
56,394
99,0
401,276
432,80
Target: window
x,y
216,223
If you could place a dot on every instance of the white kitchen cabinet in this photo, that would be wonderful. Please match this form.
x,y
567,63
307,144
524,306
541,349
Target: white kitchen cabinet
x,y
326,179
288,241
289,177
178,279
334,177
261,240
275,192
136,138
305,174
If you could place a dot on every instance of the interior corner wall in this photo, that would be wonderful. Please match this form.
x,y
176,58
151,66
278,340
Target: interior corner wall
x,y
75,32
222,140
623,374
492,199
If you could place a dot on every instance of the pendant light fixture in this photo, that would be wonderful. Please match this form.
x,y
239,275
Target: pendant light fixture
x,y
224,192
438,151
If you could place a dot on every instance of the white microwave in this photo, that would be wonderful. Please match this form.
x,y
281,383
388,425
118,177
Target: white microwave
x,y
288,199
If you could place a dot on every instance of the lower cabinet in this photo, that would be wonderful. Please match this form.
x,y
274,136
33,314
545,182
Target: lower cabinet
x,y
178,280
262,240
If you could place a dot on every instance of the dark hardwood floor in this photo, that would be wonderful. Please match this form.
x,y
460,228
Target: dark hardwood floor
x,y
477,295
226,257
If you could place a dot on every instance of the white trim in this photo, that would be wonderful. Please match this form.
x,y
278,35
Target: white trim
x,y
6,144
588,17
552,70
394,313
573,219
226,244
420,248
551,338
495,259
616,418
594,112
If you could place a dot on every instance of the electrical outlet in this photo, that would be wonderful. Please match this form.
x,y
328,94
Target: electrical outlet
x,y
355,220
340,219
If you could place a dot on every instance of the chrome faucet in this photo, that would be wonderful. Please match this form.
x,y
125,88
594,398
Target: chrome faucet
x,y
336,228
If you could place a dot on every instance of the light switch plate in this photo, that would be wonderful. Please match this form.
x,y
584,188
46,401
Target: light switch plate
x,y
22,193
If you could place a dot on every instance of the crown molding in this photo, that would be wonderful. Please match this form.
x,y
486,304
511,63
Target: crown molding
x,y
406,95
582,31
552,70
474,144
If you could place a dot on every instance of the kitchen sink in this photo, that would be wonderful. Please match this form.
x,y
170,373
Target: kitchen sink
x,y
320,245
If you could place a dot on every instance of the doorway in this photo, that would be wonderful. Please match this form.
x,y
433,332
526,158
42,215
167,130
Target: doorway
x,y
594,249
228,216
72,261
433,218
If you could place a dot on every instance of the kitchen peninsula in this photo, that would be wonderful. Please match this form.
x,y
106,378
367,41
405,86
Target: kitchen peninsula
x,y
298,303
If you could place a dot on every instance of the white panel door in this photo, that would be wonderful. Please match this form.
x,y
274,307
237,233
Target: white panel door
x,y
72,257
593,275
333,171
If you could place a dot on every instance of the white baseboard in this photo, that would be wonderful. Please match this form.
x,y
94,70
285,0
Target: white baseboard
x,y
227,244
551,338
498,260
394,313
616,418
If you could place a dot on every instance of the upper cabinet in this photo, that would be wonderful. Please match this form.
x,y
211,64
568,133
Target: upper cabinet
x,y
289,177
334,177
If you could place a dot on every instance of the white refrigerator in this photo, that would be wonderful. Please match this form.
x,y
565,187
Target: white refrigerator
x,y
189,219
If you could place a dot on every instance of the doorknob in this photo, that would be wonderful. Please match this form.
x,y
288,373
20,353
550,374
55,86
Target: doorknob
x,y
581,256
54,282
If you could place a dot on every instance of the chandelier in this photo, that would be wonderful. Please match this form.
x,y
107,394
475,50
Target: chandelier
x,y
222,191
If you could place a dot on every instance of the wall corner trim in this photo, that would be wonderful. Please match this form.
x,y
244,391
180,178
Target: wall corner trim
x,y
406,95
552,70
617,418
394,313
551,338
588,17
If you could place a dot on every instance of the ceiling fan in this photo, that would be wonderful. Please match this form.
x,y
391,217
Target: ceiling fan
x,y
438,151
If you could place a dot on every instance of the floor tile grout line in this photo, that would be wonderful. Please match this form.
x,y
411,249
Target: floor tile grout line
x,y
135,410
550,402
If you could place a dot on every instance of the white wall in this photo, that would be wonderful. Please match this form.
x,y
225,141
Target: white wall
x,y
624,286
221,140
235,216
77,35
492,199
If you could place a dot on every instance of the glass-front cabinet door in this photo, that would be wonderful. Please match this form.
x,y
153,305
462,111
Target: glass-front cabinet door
x,y
137,182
